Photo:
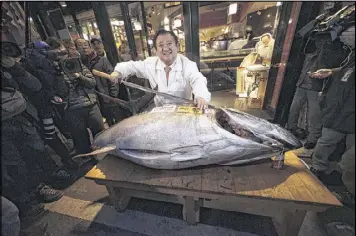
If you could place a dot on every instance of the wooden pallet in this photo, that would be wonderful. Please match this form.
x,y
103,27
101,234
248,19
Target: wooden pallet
x,y
285,195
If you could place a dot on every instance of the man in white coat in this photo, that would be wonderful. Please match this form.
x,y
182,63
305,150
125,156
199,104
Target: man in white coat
x,y
173,73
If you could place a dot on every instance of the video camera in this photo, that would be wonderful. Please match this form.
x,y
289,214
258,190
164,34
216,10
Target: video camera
x,y
67,65
328,26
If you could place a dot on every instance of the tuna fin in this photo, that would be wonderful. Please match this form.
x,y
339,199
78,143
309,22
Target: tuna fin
x,y
180,158
98,151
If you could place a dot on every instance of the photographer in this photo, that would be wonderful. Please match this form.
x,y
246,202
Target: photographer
x,y
338,116
25,163
35,64
320,52
82,110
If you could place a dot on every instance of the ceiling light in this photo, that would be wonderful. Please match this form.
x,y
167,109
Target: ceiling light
x,y
137,26
232,8
177,23
166,21
279,4
63,4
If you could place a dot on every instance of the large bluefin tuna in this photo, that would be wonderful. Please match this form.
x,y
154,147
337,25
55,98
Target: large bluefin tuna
x,y
171,137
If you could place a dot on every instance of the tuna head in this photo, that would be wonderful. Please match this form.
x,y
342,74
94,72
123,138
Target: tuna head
x,y
171,140
258,129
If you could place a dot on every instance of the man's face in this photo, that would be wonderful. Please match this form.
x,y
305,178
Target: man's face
x,y
266,40
98,46
348,37
72,51
167,48
84,47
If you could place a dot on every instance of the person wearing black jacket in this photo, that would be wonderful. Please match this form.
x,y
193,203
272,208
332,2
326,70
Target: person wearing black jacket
x,y
338,118
82,109
111,111
40,61
317,56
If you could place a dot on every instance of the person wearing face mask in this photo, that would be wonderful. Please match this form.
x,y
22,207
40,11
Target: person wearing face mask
x,y
173,73
338,117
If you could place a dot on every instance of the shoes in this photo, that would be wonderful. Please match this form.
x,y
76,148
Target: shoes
x,y
317,173
309,145
62,175
299,133
345,197
36,230
47,194
332,179
338,228
33,211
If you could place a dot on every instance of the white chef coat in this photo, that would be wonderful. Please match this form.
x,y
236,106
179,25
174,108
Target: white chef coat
x,y
184,78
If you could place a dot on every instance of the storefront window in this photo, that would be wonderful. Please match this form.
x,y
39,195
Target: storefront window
x,y
234,56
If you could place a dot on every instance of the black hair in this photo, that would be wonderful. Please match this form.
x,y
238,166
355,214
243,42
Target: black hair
x,y
54,42
162,32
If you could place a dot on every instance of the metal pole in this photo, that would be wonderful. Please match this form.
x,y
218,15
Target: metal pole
x,y
106,34
77,24
191,30
144,21
128,28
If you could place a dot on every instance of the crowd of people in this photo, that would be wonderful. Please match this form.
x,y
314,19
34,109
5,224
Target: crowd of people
x,y
42,101
327,85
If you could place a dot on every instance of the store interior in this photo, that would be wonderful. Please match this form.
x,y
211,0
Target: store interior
x,y
229,33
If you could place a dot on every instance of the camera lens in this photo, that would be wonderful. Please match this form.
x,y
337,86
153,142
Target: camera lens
x,y
70,66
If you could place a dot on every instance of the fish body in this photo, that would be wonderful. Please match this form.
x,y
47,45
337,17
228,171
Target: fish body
x,y
173,137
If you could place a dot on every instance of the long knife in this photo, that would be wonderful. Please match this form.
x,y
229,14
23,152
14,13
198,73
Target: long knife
x,y
148,90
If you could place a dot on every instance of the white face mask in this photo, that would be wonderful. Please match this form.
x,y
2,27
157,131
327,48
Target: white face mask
x,y
7,61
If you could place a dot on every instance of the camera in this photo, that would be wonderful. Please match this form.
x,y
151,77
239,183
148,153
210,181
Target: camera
x,y
71,65
10,49
329,26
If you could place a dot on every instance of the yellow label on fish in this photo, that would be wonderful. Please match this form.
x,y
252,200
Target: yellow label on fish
x,y
193,110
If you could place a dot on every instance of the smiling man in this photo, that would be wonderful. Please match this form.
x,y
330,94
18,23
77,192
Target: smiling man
x,y
173,73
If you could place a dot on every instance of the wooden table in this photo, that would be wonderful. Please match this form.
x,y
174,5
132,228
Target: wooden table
x,y
285,195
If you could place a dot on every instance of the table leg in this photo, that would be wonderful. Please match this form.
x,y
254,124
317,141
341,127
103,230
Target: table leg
x,y
119,198
289,223
191,210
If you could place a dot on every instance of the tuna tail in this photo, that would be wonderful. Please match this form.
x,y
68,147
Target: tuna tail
x,y
98,151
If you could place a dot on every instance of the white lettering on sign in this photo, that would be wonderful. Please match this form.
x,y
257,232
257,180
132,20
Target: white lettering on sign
x,y
166,108
347,74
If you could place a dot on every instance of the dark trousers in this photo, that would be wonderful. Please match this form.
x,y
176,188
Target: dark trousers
x,y
79,120
302,96
114,114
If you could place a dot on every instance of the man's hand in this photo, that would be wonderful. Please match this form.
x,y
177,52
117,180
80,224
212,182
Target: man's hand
x,y
115,77
58,99
321,74
201,103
